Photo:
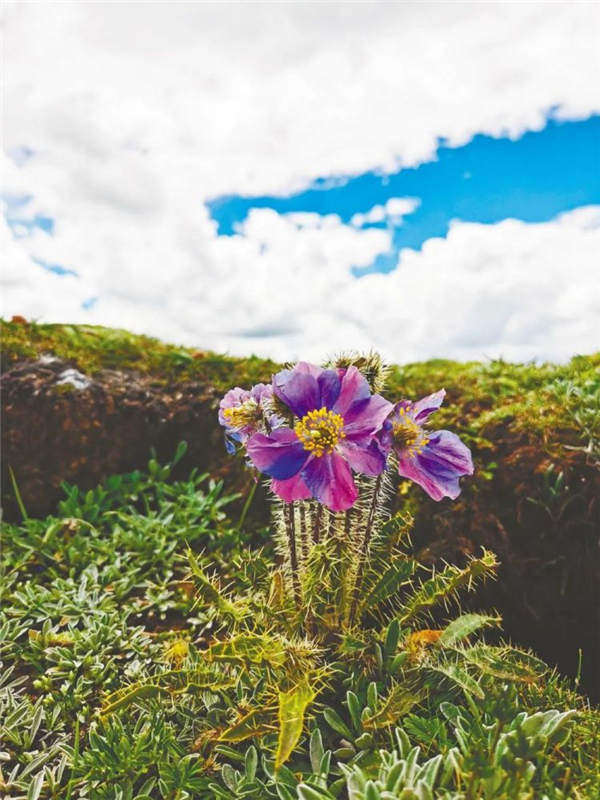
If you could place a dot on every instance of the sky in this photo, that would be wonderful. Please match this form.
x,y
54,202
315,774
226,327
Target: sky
x,y
293,179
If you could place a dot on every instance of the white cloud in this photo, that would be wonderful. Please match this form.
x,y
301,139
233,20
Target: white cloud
x,y
257,97
513,290
394,210
138,112
284,289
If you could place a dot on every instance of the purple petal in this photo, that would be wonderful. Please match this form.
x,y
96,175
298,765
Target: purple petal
x,y
440,465
311,369
365,417
385,437
262,392
298,390
354,387
292,489
448,447
232,399
365,457
330,480
423,408
280,455
330,386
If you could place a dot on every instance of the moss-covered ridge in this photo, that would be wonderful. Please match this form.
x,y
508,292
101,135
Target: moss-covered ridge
x,y
534,431
92,348
549,401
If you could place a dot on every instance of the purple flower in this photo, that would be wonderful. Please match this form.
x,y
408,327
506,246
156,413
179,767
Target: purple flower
x,y
242,413
338,418
433,459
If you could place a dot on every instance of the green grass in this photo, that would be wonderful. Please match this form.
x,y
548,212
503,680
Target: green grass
x,y
98,597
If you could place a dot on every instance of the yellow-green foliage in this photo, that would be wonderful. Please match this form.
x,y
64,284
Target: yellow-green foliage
x,y
539,399
556,404
93,347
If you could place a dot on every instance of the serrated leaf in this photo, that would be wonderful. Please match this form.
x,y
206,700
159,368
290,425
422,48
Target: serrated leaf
x,y
292,708
250,648
399,701
208,591
464,626
168,683
504,663
379,588
446,584
462,678
258,722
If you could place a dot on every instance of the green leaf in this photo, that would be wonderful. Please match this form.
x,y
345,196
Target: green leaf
x,y
464,626
306,792
372,694
292,708
391,638
399,661
168,683
505,663
400,700
250,763
446,584
379,588
250,648
337,723
209,592
462,678
123,698
316,750
35,787
354,709
258,722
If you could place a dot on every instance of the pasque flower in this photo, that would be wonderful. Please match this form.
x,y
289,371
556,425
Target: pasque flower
x,y
433,459
243,412
335,433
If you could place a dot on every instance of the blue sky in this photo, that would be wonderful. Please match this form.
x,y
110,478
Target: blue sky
x,y
533,178
299,178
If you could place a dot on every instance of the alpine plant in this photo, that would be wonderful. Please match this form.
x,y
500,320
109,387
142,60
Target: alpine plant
x,y
314,430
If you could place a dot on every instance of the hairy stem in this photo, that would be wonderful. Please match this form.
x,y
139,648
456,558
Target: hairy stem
x,y
365,547
291,537
303,533
317,524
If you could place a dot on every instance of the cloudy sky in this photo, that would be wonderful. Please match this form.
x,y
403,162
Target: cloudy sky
x,y
295,178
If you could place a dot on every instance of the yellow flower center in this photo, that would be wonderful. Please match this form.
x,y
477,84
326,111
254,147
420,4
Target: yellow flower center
x,y
320,431
244,414
408,435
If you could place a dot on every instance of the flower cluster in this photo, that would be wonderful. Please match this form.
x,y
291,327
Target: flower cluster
x,y
313,429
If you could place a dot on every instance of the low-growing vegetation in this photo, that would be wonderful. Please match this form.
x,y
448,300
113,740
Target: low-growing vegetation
x,y
82,403
154,645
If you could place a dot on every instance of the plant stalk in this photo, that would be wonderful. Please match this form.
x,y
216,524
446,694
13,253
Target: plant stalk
x,y
291,536
317,524
303,533
365,547
249,499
